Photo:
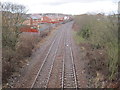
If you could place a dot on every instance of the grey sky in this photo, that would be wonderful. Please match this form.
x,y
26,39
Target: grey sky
x,y
68,6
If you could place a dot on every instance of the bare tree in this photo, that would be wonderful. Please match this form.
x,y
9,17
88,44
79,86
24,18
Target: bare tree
x,y
12,18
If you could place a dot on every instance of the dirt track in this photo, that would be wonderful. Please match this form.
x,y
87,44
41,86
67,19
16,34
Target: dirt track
x,y
56,64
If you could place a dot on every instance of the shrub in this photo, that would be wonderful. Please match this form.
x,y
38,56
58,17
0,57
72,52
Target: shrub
x,y
12,17
85,32
102,32
26,43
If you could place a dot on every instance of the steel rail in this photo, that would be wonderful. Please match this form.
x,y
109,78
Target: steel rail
x,y
43,62
73,66
63,66
53,62
74,70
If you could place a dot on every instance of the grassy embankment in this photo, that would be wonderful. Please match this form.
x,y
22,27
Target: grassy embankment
x,y
101,33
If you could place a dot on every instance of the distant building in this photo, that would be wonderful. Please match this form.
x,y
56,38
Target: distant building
x,y
45,19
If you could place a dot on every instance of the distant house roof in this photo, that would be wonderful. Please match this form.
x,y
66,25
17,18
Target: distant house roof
x,y
35,16
46,19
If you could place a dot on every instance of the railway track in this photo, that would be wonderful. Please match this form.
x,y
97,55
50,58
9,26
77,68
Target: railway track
x,y
69,79
54,64
43,75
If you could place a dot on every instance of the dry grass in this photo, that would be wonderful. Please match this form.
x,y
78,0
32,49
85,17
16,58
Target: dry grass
x,y
102,33
15,55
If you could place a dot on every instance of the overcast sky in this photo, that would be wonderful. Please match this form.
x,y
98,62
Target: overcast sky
x,y
68,6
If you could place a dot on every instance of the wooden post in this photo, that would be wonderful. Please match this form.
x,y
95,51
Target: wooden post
x,y
31,22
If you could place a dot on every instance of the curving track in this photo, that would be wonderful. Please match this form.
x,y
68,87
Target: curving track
x,y
54,64
43,75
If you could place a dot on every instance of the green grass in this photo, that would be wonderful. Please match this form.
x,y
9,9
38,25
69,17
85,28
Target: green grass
x,y
79,38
